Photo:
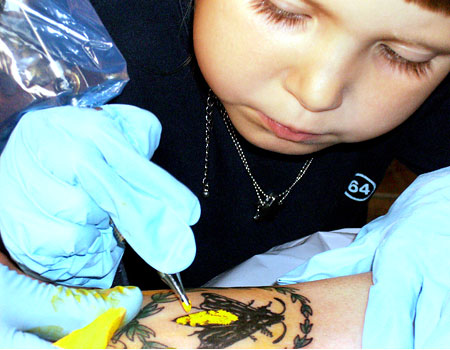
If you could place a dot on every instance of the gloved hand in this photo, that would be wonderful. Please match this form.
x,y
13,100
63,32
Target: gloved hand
x,y
66,171
51,312
408,252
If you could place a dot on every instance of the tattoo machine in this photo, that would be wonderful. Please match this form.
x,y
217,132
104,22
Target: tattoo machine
x,y
53,53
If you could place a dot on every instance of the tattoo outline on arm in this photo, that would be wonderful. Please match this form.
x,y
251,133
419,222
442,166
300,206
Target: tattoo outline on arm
x,y
305,309
141,332
250,320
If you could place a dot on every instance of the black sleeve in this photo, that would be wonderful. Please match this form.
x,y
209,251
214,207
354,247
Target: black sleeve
x,y
424,139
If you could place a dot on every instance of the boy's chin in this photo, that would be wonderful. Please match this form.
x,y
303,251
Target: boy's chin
x,y
293,148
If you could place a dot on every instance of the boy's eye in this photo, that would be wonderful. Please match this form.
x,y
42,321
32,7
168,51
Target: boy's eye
x,y
402,64
277,15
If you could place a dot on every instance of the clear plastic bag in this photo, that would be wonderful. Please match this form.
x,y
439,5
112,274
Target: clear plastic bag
x,y
54,52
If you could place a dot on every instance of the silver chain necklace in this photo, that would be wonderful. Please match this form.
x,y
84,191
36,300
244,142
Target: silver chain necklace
x,y
267,203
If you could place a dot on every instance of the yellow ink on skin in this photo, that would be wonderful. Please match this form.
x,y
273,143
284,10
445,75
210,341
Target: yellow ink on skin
x,y
203,318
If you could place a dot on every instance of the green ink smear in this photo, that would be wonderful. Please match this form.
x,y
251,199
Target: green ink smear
x,y
50,333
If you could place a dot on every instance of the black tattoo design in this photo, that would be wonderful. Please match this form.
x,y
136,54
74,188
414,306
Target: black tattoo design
x,y
143,333
249,320
306,311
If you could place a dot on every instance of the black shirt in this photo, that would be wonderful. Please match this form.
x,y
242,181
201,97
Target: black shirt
x,y
154,37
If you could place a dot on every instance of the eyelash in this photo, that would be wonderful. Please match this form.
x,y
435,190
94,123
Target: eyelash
x,y
402,64
277,15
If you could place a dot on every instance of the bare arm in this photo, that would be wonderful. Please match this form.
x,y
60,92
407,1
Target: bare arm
x,y
323,314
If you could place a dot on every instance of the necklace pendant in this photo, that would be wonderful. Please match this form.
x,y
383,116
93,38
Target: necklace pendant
x,y
267,208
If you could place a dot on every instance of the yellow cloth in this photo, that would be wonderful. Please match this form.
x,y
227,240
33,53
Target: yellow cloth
x,y
96,334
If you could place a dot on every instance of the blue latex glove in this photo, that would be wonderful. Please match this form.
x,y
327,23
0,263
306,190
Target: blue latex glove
x,y
32,310
408,251
65,171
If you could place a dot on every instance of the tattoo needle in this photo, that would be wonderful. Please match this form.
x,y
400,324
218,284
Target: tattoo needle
x,y
174,282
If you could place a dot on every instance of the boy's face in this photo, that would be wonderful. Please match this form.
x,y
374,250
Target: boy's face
x,y
297,76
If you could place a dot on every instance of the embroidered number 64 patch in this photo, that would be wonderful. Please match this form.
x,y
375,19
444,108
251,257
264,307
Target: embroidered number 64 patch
x,y
360,188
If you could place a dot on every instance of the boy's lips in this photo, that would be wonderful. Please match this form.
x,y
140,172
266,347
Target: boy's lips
x,y
285,132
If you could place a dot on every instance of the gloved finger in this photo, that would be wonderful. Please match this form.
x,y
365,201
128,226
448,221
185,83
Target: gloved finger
x,y
53,246
353,259
433,305
392,299
160,221
410,274
48,222
55,311
439,336
68,258
48,191
140,174
140,127
15,339
55,161
140,195
121,136
432,310
69,133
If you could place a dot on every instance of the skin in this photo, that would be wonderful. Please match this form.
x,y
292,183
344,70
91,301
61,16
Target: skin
x,y
336,317
4,260
327,76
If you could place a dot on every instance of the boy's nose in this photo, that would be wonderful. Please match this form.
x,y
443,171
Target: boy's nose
x,y
319,79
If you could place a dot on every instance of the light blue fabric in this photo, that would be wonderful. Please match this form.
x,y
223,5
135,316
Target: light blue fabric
x,y
52,312
66,171
408,251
